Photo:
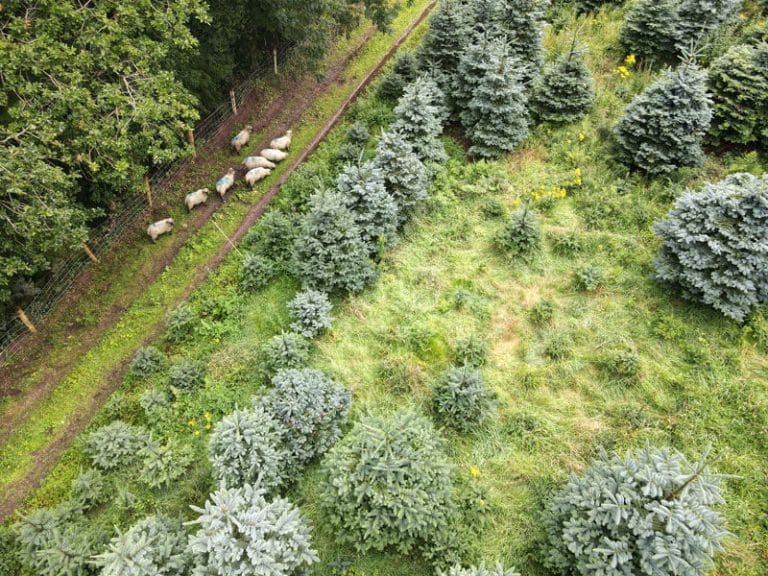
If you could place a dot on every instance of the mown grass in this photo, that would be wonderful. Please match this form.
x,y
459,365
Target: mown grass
x,y
563,395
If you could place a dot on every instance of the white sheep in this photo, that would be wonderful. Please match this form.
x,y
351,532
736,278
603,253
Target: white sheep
x,y
274,155
257,174
197,197
257,162
242,138
160,227
225,182
282,143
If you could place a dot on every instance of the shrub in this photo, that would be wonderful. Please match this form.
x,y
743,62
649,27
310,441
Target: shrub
x,y
115,445
663,128
310,312
541,312
286,350
272,237
419,119
256,272
241,533
565,91
471,351
154,546
566,243
163,464
481,570
559,347
147,361
247,447
312,407
520,235
492,208
589,278
650,513
715,245
153,401
10,562
358,134
329,251
461,399
188,374
88,490
622,363
389,483
180,324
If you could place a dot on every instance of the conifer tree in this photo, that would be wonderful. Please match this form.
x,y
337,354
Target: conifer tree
x,y
405,175
329,252
473,66
663,127
496,117
650,30
522,24
565,90
697,18
419,119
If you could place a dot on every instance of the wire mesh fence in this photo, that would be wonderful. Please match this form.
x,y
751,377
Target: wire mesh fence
x,y
134,209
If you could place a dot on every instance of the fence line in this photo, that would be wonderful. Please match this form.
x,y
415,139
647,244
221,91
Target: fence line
x,y
133,209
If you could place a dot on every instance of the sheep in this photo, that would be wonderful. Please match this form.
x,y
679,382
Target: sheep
x,y
257,162
257,174
192,199
225,182
242,138
274,155
282,143
160,227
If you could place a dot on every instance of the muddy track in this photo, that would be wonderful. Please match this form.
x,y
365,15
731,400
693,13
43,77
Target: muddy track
x,y
46,458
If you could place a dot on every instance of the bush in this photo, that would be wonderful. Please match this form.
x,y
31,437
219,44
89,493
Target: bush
x,y
388,483
566,243
312,407
358,134
663,128
247,447
241,533
559,347
272,237
256,272
481,570
650,512
520,235
163,464
147,361
461,399
115,445
154,546
715,245
286,350
565,91
589,278
153,401
492,208
180,324
624,364
541,312
88,490
471,351
188,374
310,312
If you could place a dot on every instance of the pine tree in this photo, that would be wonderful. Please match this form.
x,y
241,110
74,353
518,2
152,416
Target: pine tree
x,y
565,90
329,253
650,30
522,23
663,128
376,212
405,175
496,117
473,67
697,18
419,120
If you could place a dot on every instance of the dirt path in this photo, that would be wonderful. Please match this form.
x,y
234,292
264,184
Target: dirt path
x,y
46,458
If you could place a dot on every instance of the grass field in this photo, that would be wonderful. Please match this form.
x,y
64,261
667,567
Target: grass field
x,y
563,387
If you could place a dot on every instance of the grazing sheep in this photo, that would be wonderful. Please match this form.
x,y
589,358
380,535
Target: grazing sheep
x,y
225,182
282,143
274,155
160,227
242,138
197,197
257,162
257,174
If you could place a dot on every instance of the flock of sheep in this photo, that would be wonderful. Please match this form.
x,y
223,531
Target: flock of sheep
x,y
259,167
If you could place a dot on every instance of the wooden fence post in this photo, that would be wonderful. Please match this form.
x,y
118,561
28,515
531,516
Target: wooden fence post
x,y
26,321
148,188
191,138
91,255
274,59
233,101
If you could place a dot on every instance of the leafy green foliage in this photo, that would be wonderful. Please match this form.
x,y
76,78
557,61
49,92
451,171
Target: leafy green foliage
x,y
663,128
180,324
188,374
565,91
147,361
388,483
310,312
115,445
623,363
154,546
311,407
256,272
163,464
715,244
286,350
89,489
481,570
419,119
651,512
521,234
461,399
542,312
272,237
241,533
329,251
247,447
471,351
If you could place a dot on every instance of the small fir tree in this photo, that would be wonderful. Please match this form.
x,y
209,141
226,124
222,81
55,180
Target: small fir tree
x,y
565,91
473,67
404,71
461,399
663,128
715,245
419,119
164,464
310,312
697,18
272,237
650,30
89,489
481,570
256,272
521,234
115,445
329,252
522,23
286,350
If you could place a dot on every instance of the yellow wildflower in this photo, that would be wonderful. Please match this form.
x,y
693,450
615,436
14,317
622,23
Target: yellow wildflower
x,y
481,501
207,416
197,432
582,136
191,422
208,426
623,72
516,202
577,181
630,60
474,471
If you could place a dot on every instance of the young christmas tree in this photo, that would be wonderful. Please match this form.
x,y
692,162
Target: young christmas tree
x,y
496,117
650,30
522,23
663,128
419,119
697,18
473,66
565,90
329,252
